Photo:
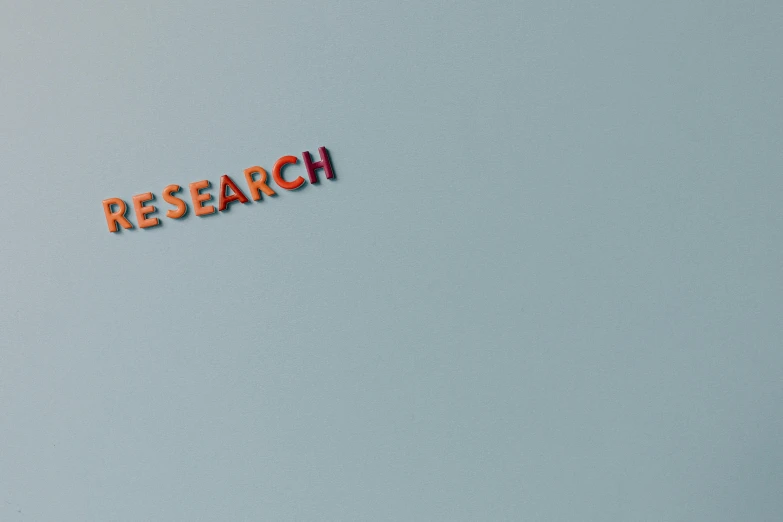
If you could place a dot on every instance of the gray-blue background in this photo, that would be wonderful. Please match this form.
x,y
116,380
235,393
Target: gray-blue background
x,y
546,285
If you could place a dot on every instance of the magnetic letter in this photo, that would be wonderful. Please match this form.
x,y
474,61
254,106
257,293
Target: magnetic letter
x,y
278,176
118,216
169,197
325,163
259,185
142,210
224,200
199,199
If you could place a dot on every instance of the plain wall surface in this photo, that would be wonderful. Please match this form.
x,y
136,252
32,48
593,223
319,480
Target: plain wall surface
x,y
545,285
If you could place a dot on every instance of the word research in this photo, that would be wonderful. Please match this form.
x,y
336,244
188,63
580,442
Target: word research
x,y
256,178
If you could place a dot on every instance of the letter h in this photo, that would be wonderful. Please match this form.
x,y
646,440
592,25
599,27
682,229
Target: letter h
x,y
325,164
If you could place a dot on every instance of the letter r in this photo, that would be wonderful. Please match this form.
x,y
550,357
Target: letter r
x,y
113,217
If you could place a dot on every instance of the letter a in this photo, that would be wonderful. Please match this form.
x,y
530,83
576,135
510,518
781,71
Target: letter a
x,y
224,199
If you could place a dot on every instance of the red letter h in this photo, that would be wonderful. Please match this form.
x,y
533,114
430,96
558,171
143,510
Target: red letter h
x,y
325,164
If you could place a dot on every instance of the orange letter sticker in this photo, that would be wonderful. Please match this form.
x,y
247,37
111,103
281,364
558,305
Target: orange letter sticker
x,y
277,174
118,216
259,185
198,198
169,197
142,210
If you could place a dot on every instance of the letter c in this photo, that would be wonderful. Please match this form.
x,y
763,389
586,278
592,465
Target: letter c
x,y
278,176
